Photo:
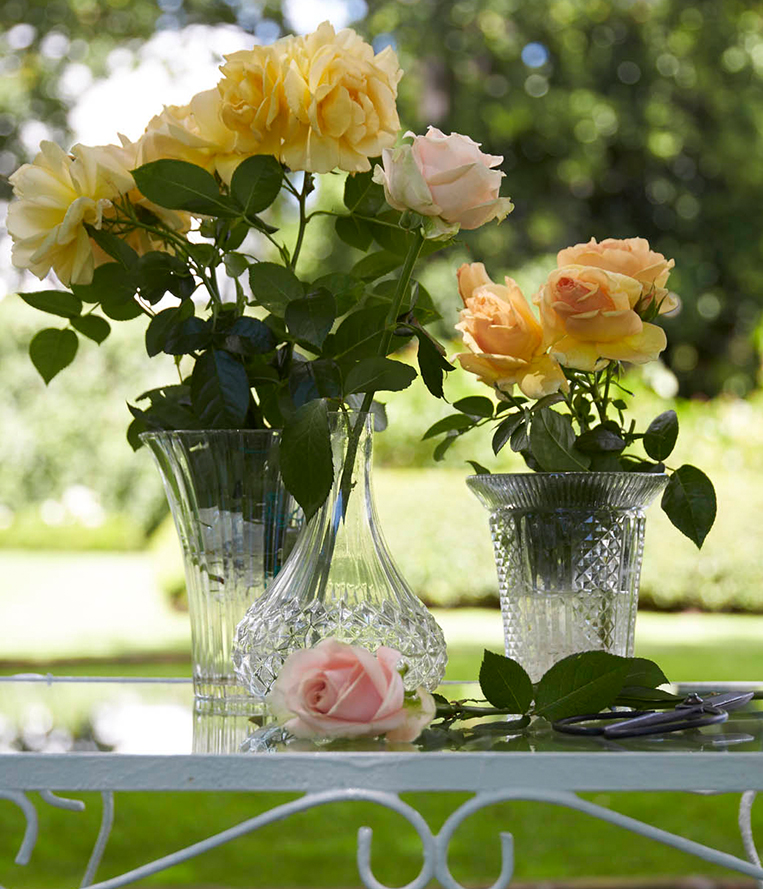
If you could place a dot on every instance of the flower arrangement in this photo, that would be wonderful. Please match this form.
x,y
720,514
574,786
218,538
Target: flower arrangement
x,y
596,311
152,229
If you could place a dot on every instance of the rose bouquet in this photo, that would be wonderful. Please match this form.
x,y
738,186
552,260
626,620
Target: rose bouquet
x,y
596,313
175,229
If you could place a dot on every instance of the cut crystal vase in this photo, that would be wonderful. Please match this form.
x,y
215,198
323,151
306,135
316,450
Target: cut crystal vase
x,y
340,581
568,548
236,525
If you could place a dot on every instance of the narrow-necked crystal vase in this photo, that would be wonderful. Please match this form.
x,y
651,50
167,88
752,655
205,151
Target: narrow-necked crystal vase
x,y
340,581
568,549
236,524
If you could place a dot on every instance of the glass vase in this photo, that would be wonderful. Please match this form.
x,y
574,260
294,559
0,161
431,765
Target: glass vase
x,y
340,581
236,525
568,548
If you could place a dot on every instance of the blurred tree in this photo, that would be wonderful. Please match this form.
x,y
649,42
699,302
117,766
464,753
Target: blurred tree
x,y
615,117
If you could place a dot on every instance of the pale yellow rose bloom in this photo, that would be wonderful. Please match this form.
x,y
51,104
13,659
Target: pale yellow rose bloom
x,y
194,133
504,338
588,319
627,256
55,197
317,103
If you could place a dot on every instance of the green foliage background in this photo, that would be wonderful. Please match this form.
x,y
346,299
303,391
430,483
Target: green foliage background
x,y
614,119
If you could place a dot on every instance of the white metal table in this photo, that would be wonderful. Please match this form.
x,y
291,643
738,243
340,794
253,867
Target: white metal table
x,y
200,751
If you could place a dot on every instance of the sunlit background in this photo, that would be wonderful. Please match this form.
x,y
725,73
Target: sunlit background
x,y
615,118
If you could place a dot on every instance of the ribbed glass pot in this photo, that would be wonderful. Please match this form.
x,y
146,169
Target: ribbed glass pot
x,y
340,581
568,548
236,525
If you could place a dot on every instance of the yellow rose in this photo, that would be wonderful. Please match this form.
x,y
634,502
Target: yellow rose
x,y
588,318
627,256
56,196
317,103
503,335
194,133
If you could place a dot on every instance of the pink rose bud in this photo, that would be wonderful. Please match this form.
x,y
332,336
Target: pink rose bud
x,y
445,178
343,691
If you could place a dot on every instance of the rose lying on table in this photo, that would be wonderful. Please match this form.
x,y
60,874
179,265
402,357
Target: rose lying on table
x,y
335,690
343,691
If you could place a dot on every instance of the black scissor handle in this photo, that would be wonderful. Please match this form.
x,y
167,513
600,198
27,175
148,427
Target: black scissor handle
x,y
572,725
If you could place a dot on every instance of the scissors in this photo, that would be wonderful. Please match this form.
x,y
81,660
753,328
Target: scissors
x,y
692,712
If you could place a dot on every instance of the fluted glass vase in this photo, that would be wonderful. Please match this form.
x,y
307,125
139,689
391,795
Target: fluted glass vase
x,y
236,525
340,581
568,548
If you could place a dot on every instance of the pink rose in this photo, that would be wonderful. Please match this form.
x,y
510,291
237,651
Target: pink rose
x,y
445,178
343,691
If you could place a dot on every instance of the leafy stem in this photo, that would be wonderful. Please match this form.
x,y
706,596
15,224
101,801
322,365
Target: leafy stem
x,y
403,282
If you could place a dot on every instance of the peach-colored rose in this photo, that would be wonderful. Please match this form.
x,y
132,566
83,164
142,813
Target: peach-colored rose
x,y
588,318
336,690
445,178
503,335
317,103
627,256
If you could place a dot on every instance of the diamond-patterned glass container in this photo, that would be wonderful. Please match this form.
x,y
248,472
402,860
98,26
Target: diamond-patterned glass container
x,y
236,524
568,549
340,581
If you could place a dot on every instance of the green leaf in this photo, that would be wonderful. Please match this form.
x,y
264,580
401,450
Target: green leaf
x,y
478,468
309,380
236,264
159,272
347,290
519,440
256,183
310,319
580,684
359,335
644,673
432,363
354,232
552,442
444,445
689,502
305,456
111,244
376,373
504,430
362,195
249,336
220,390
660,437
376,265
170,408
92,327
188,336
505,683
51,350
111,285
178,185
600,440
475,406
162,323
453,422
644,698
134,431
54,302
274,286
121,311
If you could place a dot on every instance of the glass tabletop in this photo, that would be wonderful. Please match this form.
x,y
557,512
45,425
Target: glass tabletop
x,y
57,715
